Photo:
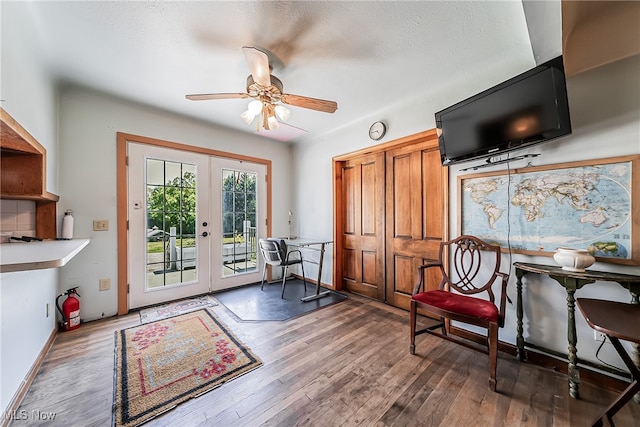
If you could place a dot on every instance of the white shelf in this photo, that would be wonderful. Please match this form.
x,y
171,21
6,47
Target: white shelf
x,y
38,255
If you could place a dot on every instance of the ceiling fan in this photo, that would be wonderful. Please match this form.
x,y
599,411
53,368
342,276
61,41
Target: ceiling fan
x,y
266,90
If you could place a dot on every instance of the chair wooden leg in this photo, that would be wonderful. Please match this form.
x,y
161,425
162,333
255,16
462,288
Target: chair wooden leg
x,y
443,328
493,354
412,322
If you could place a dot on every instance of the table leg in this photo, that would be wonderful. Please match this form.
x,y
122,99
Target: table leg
x,y
318,294
632,389
574,374
519,314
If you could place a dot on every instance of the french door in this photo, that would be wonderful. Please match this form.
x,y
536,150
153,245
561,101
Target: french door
x,y
238,192
194,221
169,224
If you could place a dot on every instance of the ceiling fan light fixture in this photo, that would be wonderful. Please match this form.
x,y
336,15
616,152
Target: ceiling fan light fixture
x,y
253,109
273,123
282,113
248,117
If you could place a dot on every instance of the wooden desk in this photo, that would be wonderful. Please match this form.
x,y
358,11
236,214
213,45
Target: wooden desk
x,y
619,321
571,281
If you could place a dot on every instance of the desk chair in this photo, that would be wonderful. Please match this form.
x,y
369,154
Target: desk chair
x,y
274,252
466,262
618,321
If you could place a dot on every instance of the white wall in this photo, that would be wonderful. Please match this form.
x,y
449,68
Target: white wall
x,y
605,113
29,97
88,125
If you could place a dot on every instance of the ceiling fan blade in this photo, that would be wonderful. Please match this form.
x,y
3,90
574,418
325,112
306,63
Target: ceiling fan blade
x,y
207,96
259,65
311,103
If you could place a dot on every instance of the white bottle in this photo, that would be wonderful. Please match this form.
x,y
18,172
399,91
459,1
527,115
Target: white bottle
x,y
67,225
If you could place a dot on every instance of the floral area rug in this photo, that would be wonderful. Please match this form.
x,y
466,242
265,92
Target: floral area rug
x,y
176,308
162,364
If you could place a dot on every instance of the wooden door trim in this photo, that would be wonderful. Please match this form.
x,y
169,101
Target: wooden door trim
x,y
123,196
391,145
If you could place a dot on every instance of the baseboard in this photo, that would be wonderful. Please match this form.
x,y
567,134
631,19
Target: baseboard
x,y
549,362
15,402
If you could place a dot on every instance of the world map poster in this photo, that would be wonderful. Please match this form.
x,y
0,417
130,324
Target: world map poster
x,y
582,205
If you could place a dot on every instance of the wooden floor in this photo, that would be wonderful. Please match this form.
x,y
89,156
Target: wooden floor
x,y
348,364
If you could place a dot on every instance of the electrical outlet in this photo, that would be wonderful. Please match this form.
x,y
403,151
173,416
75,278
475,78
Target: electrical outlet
x,y
100,225
105,284
598,336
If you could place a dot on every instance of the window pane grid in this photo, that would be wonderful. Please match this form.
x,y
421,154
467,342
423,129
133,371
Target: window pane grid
x,y
171,223
238,221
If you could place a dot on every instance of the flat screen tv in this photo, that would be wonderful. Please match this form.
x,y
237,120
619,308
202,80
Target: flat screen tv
x,y
528,109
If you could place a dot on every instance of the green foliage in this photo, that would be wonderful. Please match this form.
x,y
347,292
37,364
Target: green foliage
x,y
173,205
238,201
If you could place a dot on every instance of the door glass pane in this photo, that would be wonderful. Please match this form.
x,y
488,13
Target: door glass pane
x,y
238,206
171,223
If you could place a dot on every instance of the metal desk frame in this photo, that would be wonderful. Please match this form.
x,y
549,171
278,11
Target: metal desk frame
x,y
572,281
313,245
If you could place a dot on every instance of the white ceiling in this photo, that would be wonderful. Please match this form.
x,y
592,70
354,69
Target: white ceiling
x,y
365,56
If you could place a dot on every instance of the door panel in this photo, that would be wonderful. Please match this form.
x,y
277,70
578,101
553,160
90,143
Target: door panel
x,y
167,208
238,214
363,229
415,216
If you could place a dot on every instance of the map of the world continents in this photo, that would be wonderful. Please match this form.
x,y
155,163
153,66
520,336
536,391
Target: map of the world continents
x,y
584,207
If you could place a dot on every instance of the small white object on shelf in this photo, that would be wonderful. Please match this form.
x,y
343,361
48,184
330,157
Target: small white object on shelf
x,y
67,225
574,259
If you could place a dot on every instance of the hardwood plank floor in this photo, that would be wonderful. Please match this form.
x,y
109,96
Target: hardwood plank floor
x,y
347,364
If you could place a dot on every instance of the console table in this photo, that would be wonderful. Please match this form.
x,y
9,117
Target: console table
x,y
572,281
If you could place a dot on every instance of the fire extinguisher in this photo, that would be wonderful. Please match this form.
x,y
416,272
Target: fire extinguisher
x,y
70,310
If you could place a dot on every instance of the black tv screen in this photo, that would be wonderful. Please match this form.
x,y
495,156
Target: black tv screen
x,y
528,109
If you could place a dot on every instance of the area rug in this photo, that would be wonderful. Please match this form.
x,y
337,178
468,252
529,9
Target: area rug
x,y
176,308
249,303
162,364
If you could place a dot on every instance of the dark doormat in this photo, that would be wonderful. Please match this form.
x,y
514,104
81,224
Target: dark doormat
x,y
250,303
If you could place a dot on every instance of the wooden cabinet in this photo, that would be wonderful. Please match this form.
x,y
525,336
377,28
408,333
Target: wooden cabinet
x,y
23,173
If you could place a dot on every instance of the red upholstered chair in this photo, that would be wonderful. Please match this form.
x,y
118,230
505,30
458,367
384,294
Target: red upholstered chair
x,y
457,296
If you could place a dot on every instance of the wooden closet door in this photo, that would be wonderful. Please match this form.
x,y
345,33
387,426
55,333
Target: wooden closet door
x,y
416,216
362,234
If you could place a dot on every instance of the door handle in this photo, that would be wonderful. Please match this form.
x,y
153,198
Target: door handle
x,y
204,234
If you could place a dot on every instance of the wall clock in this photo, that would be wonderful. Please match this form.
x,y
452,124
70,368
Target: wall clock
x,y
377,130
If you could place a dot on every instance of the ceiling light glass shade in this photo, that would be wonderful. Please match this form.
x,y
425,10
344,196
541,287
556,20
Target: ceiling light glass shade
x,y
283,113
273,123
253,109
248,117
